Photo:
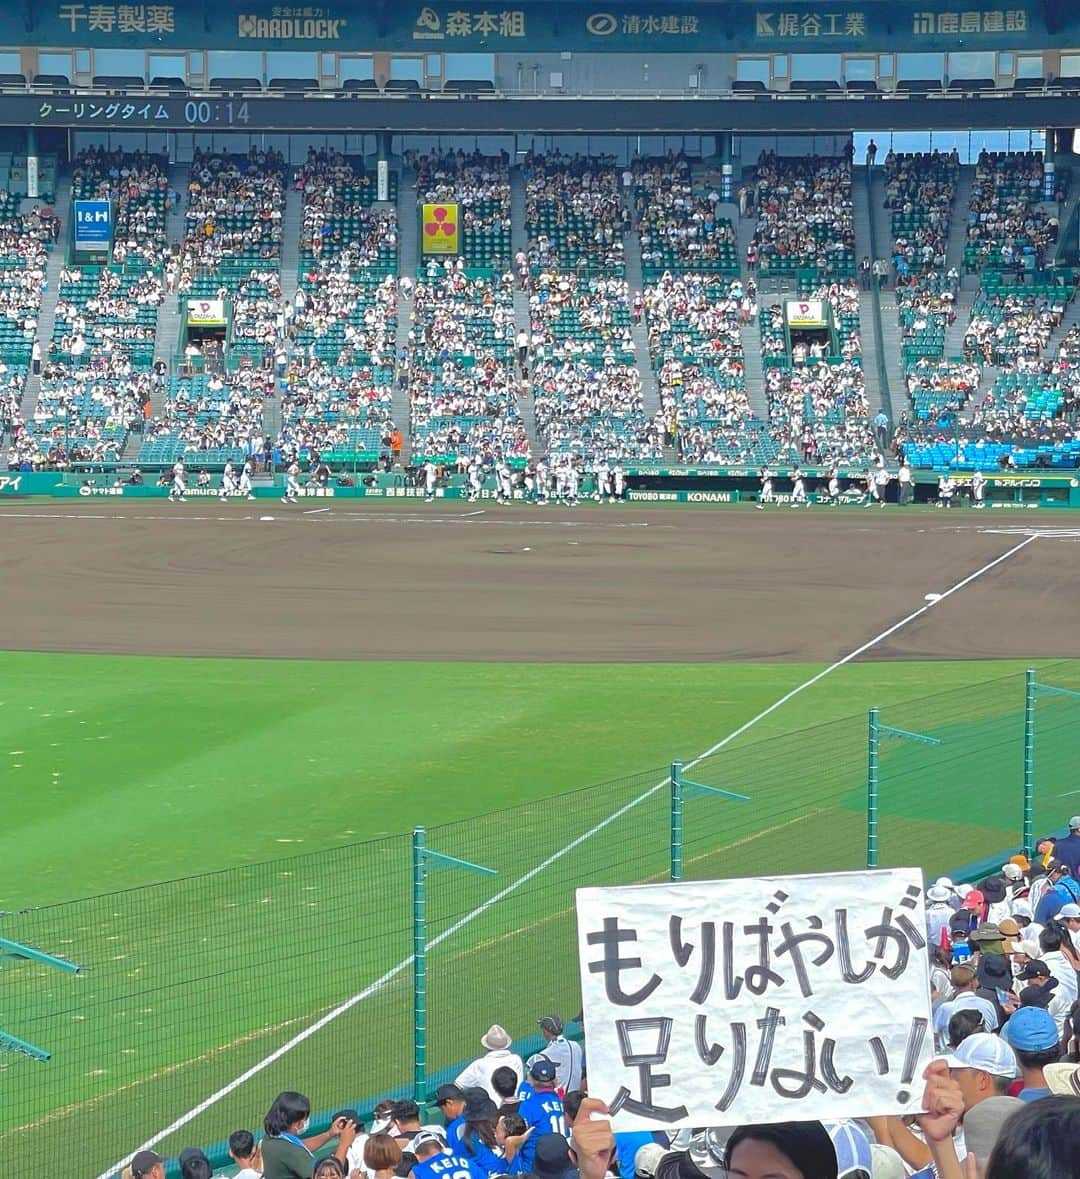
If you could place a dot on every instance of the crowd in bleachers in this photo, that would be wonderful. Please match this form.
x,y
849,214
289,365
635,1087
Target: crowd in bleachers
x,y
805,216
235,206
461,370
138,187
481,187
696,349
575,214
678,222
920,189
1007,225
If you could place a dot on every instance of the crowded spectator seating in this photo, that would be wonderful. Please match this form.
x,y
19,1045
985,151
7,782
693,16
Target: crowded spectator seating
x,y
233,222
209,418
925,307
338,195
138,187
805,217
920,189
678,225
586,385
336,412
481,186
25,240
97,378
463,386
696,351
1008,227
818,408
575,214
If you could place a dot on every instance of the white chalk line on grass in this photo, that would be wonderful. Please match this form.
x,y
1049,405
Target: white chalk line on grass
x,y
480,910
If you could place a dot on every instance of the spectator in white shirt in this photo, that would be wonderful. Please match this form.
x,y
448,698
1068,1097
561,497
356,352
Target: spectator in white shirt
x,y
477,1075
565,1055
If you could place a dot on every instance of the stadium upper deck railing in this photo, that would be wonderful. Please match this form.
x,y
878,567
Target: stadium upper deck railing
x,y
344,972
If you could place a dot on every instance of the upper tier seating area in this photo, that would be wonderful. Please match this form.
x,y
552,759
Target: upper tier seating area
x,y
805,216
920,189
575,214
678,225
1007,225
138,187
209,418
338,195
481,186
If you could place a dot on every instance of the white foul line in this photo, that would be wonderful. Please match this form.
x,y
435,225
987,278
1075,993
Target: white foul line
x,y
394,971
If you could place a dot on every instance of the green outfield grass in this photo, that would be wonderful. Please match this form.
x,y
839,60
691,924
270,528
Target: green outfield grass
x,y
132,770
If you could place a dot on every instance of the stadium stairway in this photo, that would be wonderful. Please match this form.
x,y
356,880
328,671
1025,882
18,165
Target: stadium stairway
x,y
49,297
519,235
753,368
954,254
292,225
635,279
408,261
178,177
525,405
866,207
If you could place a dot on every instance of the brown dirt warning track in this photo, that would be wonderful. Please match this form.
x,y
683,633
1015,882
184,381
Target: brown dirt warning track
x,y
453,581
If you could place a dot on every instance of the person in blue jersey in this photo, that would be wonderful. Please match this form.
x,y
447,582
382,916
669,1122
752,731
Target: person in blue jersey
x,y
451,1102
434,1160
478,1137
542,1110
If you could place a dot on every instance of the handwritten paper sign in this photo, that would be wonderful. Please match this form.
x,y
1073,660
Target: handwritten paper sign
x,y
779,998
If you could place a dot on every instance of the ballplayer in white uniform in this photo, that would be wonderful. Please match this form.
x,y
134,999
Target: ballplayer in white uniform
x,y
881,482
573,480
978,489
766,494
245,478
228,480
834,486
292,484
431,474
178,489
798,489
505,479
476,480
542,477
618,480
603,482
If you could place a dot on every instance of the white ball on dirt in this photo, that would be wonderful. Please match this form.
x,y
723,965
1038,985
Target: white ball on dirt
x,y
266,517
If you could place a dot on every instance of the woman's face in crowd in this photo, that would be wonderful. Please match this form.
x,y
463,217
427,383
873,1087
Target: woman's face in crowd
x,y
753,1159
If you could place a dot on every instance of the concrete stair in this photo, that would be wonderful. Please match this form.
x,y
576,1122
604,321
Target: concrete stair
x,y
519,233
869,233
635,278
954,253
408,261
292,224
754,368
525,406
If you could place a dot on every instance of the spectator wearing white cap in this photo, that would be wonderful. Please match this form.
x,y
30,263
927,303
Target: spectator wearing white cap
x,y
496,1043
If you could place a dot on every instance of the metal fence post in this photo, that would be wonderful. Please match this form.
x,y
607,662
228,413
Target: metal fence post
x,y
676,820
1029,761
872,792
419,867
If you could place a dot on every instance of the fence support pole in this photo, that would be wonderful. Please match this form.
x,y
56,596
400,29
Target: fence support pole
x,y
419,966
1029,761
872,792
676,820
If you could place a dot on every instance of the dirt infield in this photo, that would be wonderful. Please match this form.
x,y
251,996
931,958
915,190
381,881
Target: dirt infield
x,y
589,584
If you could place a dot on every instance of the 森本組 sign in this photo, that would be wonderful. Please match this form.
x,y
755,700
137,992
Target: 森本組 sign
x,y
778,998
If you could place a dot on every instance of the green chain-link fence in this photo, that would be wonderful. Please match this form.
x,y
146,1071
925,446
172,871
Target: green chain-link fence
x,y
203,997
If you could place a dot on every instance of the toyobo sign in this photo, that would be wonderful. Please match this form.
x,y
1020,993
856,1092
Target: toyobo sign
x,y
781,998
93,226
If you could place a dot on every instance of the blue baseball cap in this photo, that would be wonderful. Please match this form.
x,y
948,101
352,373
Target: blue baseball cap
x,y
542,1070
1031,1029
